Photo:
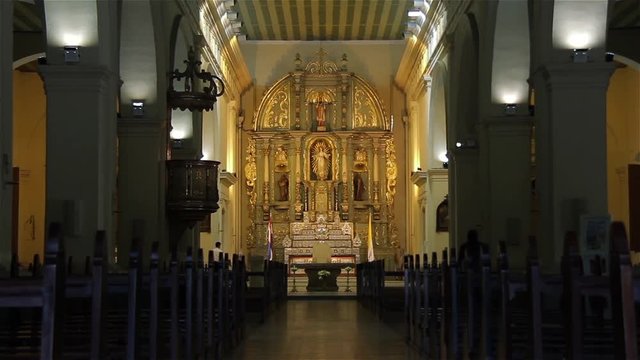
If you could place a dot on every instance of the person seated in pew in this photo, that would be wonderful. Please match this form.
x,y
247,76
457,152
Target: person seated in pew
x,y
470,259
472,250
217,251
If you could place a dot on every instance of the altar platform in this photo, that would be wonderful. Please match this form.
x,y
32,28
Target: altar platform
x,y
301,292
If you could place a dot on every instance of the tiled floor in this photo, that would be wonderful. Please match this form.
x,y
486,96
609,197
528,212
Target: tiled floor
x,y
337,329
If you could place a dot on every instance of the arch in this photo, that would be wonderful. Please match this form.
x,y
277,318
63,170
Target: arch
x,y
623,144
463,106
511,54
27,59
138,56
181,121
438,114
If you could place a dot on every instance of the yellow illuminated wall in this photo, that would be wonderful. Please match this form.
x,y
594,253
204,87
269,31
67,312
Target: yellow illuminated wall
x,y
29,154
623,138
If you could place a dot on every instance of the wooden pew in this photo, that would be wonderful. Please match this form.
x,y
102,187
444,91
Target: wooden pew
x,y
46,293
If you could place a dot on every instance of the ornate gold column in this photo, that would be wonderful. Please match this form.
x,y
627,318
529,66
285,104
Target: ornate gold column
x,y
344,207
251,175
376,183
265,182
298,208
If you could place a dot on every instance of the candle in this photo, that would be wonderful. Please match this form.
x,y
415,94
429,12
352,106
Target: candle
x,y
375,165
298,167
344,167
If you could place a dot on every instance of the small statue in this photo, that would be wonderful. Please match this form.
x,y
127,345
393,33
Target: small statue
x,y
283,184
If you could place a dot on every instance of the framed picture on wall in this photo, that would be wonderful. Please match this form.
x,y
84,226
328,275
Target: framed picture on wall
x,y
594,241
205,225
442,215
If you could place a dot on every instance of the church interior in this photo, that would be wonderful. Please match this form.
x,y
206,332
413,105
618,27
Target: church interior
x,y
335,132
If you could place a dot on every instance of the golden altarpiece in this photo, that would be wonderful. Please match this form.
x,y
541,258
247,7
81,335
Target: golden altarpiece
x,y
320,161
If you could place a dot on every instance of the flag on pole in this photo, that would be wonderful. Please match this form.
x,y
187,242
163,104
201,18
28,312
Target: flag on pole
x,y
269,240
370,256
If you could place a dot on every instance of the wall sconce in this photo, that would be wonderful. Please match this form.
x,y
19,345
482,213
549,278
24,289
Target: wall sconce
x,y
510,109
71,54
444,159
580,55
137,108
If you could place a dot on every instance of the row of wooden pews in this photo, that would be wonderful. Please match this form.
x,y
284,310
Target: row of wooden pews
x,y
484,310
387,302
192,310
267,289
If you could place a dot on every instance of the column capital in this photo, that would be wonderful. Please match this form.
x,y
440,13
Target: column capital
x,y
136,127
570,75
508,125
77,78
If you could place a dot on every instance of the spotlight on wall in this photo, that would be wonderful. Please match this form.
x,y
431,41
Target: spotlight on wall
x,y
580,55
71,54
510,109
137,108
458,144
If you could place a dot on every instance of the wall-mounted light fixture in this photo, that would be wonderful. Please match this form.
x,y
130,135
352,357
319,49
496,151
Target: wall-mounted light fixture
x,y
510,109
137,108
71,54
580,55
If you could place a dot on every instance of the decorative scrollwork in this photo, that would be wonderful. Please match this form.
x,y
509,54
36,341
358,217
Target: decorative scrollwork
x,y
191,98
365,114
321,66
391,175
251,174
392,170
278,110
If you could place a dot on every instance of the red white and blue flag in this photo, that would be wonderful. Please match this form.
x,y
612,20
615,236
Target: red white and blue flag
x,y
270,240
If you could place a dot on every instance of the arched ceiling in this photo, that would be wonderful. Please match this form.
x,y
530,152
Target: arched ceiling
x,y
323,19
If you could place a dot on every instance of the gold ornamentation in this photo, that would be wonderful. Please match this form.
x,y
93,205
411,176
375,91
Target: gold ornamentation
x,y
277,114
281,160
360,160
321,66
251,174
392,170
321,159
365,114
391,175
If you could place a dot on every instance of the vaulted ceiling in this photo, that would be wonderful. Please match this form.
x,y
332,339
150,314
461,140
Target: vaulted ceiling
x,y
323,19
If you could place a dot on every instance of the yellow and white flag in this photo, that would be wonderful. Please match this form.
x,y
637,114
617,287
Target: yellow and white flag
x,y
370,256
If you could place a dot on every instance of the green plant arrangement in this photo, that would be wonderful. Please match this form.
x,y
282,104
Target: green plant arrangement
x,y
323,273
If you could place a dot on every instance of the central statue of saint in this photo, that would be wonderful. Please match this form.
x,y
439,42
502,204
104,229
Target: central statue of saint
x,y
321,160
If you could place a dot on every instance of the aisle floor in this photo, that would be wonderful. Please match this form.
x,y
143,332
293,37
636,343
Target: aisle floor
x,y
333,329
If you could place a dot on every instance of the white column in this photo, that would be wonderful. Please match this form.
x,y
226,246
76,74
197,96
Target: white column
x,y
81,152
465,207
571,149
509,195
140,182
6,129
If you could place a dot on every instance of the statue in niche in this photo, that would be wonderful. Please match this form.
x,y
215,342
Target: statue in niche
x,y
321,157
321,110
281,159
360,160
358,187
283,186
